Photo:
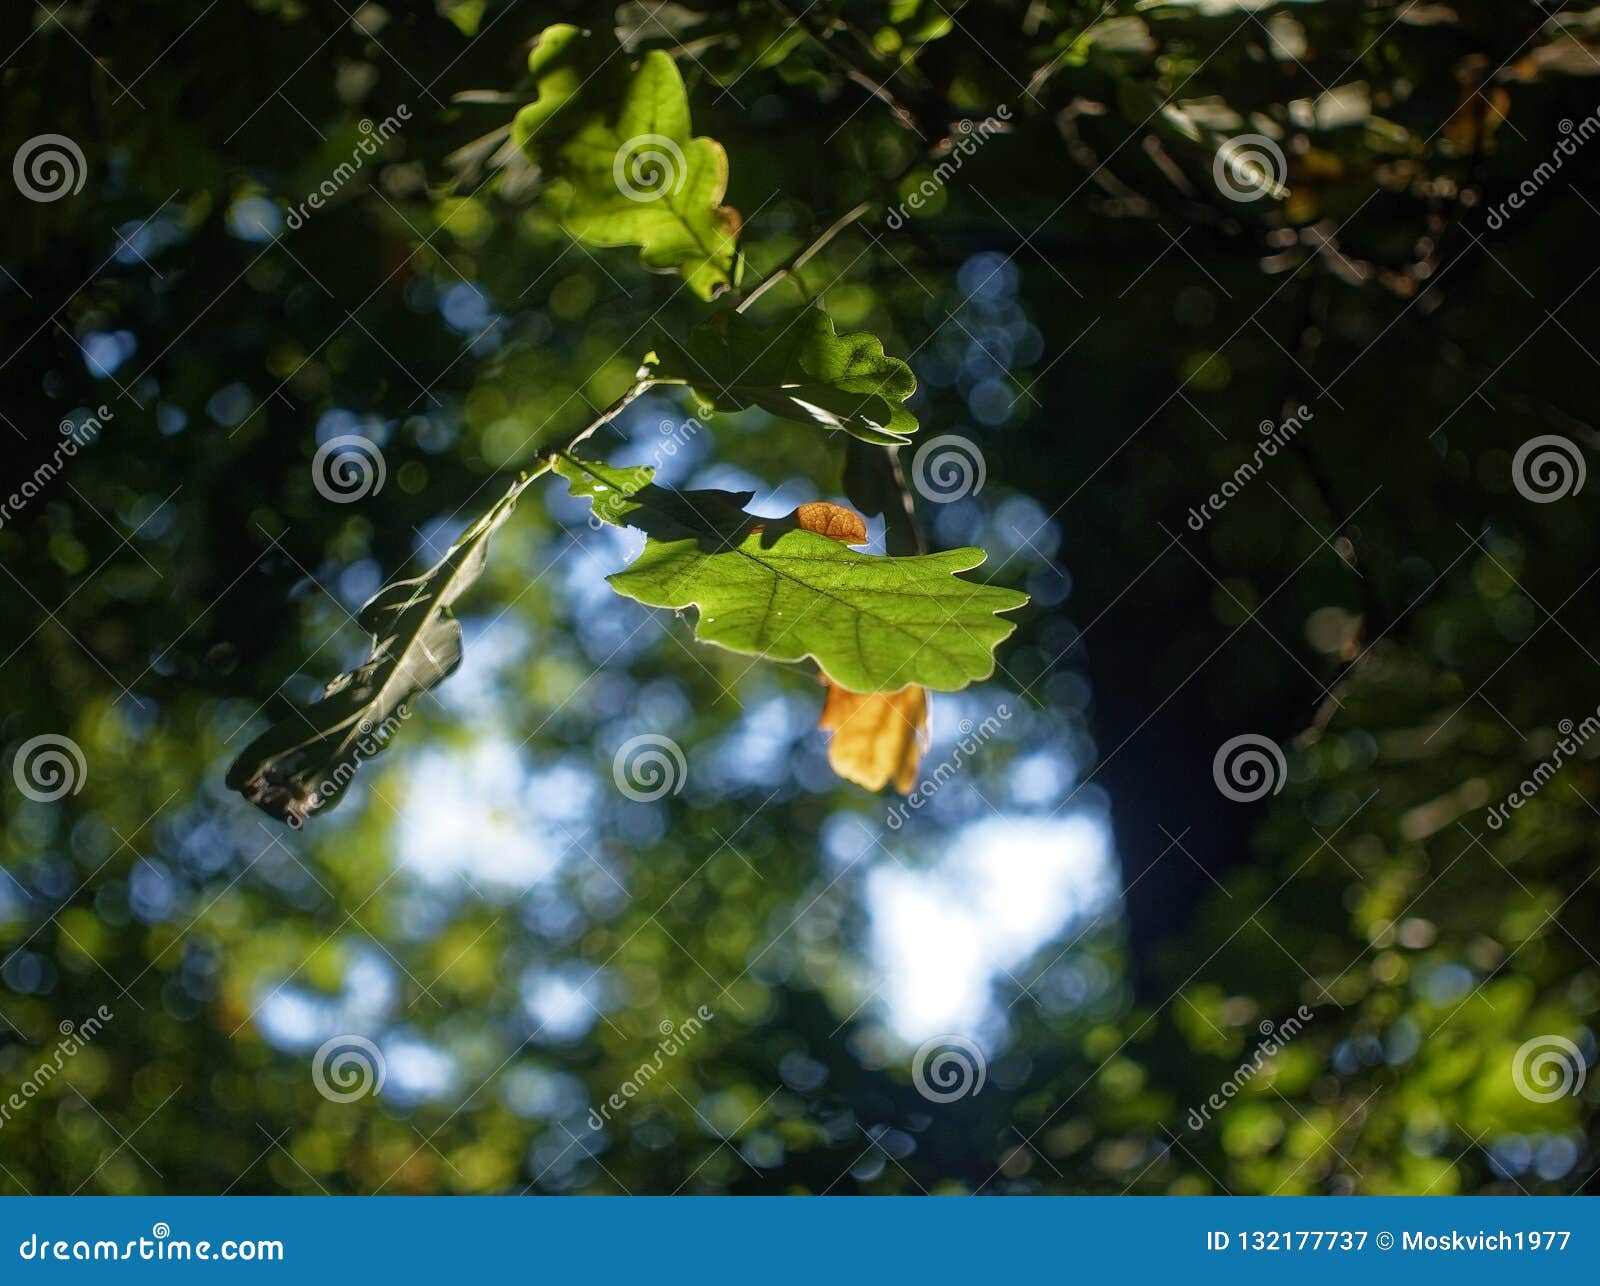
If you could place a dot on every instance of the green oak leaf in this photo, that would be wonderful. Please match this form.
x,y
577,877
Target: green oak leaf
x,y
616,145
800,370
768,588
626,497
303,763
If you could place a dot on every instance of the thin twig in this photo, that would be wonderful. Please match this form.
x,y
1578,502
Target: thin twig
x,y
546,458
879,89
798,261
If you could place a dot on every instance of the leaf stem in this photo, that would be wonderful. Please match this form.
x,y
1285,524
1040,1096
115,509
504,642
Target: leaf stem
x,y
546,458
874,85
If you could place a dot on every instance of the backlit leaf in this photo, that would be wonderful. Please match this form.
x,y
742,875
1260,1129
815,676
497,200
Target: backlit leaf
x,y
770,588
303,763
877,737
624,168
800,370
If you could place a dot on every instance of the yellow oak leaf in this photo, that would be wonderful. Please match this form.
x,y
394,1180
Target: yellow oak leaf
x,y
878,737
